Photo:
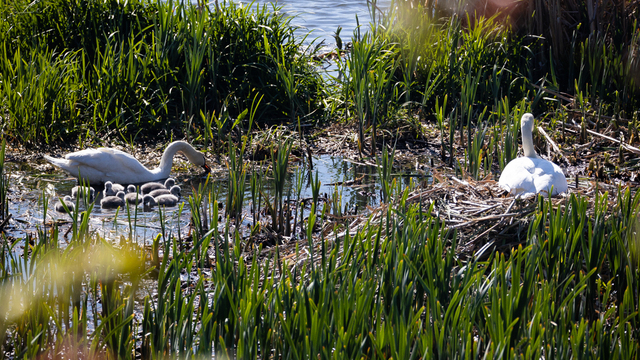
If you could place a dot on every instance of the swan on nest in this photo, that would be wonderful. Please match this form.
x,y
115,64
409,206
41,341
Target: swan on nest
x,y
529,174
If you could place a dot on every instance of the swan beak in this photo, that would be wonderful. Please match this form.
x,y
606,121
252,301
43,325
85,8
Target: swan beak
x,y
206,168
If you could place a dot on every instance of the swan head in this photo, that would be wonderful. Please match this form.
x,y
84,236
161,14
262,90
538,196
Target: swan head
x,y
526,122
120,194
131,189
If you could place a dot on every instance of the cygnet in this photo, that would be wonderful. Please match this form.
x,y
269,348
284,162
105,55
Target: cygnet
x,y
149,187
175,191
67,201
148,201
167,200
113,202
111,189
132,196
83,192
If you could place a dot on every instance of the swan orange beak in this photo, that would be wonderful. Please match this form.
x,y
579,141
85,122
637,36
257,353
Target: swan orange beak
x,y
206,168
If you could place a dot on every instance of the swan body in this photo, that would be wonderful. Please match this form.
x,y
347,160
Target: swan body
x,y
132,196
175,191
111,189
107,164
67,201
167,200
149,187
83,192
113,202
530,174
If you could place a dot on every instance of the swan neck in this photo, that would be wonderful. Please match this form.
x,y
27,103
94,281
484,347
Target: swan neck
x,y
167,158
527,142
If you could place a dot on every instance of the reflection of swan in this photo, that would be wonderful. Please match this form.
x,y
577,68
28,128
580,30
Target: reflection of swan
x,y
149,187
175,191
111,189
113,202
531,174
107,164
67,201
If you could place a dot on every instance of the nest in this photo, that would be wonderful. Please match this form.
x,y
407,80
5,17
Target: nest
x,y
484,217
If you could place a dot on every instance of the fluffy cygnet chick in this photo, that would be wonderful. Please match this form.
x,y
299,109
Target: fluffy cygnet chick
x,y
83,192
67,201
148,201
149,187
175,191
113,202
111,189
167,200
132,196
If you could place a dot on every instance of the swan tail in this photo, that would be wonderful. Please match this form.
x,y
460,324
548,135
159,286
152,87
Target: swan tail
x,y
56,161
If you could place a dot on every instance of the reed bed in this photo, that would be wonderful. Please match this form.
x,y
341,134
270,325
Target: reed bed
x,y
77,70
418,264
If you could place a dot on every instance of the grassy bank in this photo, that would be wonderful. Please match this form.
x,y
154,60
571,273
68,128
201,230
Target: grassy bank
x,y
77,70
553,278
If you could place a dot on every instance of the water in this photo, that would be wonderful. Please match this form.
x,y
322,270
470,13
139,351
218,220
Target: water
x,y
322,17
353,186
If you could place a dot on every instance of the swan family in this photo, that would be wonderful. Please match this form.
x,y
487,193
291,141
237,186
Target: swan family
x,y
97,166
524,176
113,167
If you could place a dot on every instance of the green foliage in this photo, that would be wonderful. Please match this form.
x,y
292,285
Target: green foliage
x,y
143,68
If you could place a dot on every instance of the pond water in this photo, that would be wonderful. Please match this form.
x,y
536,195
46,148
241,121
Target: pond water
x,y
354,186
322,17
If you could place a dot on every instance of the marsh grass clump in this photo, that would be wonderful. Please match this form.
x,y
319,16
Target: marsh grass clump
x,y
144,68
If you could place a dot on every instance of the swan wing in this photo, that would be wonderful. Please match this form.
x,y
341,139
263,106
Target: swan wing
x,y
517,178
125,161
548,174
102,164
110,160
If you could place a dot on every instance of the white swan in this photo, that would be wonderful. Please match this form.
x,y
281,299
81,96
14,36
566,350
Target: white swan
x,y
175,191
531,174
149,187
107,164
67,201
113,202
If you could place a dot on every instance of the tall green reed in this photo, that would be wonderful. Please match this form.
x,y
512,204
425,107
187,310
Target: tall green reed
x,y
279,164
